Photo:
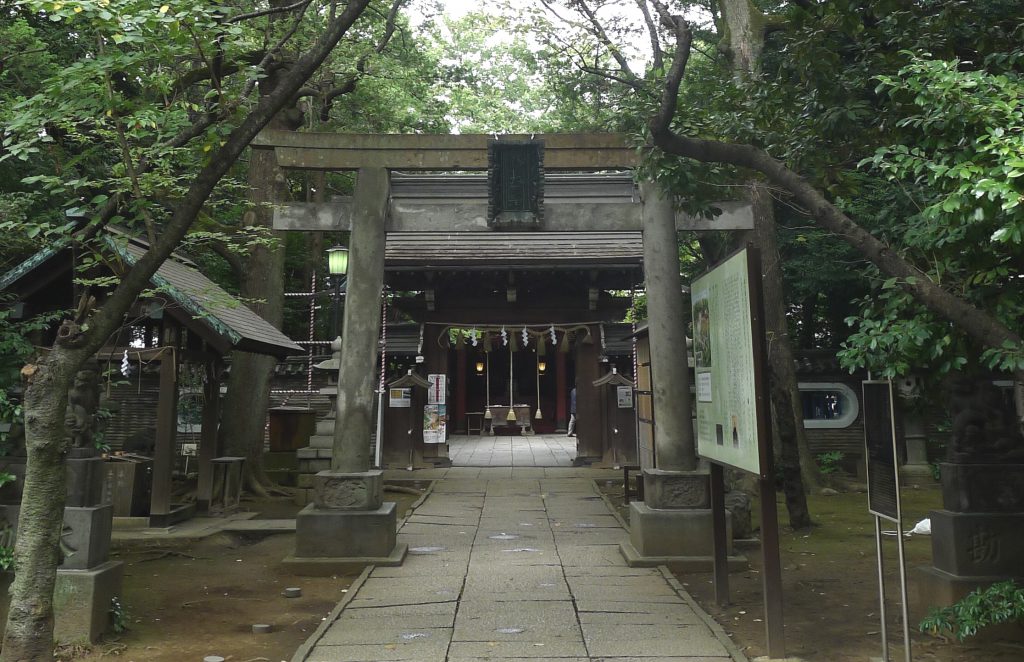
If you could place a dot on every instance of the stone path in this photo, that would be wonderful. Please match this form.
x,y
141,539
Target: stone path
x,y
540,450
517,569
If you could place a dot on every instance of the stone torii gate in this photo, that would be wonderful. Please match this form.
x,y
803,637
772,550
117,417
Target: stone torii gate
x,y
349,498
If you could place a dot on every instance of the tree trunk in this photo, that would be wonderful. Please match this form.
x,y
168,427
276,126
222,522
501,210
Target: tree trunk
x,y
262,286
1018,398
745,29
248,394
794,454
29,634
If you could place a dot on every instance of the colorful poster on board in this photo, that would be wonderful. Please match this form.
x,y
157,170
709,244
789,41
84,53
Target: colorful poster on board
x,y
723,353
435,422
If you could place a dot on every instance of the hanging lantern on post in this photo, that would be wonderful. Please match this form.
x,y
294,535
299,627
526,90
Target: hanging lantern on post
x,y
511,416
538,415
487,380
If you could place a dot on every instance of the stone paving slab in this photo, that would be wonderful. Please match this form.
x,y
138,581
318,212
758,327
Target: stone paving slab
x,y
526,649
396,633
418,650
523,584
568,536
432,615
633,588
487,620
649,640
589,556
517,569
654,613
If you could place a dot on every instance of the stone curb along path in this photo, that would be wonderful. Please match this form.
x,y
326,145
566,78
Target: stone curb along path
x,y
523,569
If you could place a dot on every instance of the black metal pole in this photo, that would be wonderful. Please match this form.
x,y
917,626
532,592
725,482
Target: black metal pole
x,y
336,308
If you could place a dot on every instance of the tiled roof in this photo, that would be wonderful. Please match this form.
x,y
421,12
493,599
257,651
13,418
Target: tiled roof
x,y
210,306
565,249
200,303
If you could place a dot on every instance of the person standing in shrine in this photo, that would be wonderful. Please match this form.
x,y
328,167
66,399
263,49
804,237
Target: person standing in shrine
x,y
572,413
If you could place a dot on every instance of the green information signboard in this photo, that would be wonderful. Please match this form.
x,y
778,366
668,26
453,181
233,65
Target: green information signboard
x,y
725,371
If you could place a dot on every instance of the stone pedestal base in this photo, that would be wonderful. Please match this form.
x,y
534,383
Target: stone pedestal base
x,y
682,538
677,489
335,490
977,544
931,587
84,478
81,602
86,536
917,473
333,539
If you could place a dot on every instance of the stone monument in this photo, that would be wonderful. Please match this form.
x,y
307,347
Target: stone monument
x,y
978,535
87,580
915,434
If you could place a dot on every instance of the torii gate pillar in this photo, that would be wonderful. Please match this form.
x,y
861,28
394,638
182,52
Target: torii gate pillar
x,y
673,524
357,374
349,522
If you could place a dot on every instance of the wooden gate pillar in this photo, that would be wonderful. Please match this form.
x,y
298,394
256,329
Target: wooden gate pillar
x,y
589,439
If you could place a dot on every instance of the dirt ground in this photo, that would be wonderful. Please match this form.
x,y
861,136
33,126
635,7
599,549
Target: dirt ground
x,y
830,588
186,600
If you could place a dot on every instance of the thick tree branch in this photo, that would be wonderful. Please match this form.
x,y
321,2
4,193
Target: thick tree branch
x,y
349,85
662,121
110,314
652,31
266,12
198,75
233,259
976,323
597,29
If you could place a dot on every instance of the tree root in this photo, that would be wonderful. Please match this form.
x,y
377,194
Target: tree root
x,y
171,552
260,486
115,649
401,489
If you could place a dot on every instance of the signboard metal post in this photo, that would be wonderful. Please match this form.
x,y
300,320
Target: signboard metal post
x,y
884,494
719,531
